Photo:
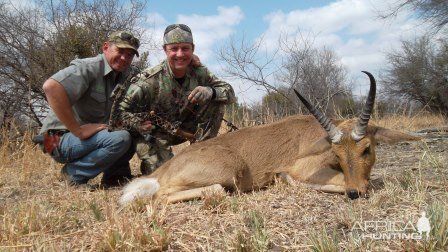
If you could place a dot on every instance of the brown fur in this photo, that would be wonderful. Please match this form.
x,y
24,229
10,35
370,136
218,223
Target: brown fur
x,y
249,159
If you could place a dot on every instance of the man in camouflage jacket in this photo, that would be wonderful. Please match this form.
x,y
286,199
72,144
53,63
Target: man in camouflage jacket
x,y
179,92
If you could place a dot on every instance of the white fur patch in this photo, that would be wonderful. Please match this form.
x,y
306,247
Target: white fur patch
x,y
138,188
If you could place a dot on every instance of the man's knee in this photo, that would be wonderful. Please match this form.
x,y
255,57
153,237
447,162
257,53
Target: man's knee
x,y
122,139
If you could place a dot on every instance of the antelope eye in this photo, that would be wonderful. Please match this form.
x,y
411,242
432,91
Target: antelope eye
x,y
366,151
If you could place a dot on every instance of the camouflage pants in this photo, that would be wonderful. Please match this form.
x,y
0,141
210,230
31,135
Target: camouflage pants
x,y
156,149
152,153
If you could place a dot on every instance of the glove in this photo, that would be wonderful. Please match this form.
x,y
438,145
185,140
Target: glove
x,y
201,95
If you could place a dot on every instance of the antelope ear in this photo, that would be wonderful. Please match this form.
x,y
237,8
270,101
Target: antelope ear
x,y
390,136
318,147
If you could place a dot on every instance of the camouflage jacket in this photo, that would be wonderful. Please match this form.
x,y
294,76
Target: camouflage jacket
x,y
157,90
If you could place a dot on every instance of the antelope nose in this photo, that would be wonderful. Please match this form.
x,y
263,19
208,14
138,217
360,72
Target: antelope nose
x,y
352,194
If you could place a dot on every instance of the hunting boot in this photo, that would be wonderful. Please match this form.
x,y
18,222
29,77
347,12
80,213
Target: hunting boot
x,y
146,167
112,182
65,176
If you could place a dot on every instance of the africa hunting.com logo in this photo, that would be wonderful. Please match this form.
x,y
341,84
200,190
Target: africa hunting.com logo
x,y
391,230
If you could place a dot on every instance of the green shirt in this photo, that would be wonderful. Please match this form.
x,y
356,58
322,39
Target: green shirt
x,y
89,83
157,90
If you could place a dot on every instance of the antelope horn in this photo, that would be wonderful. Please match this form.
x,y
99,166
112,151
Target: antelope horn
x,y
360,129
334,133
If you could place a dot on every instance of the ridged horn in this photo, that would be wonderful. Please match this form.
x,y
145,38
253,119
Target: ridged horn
x,y
334,133
360,129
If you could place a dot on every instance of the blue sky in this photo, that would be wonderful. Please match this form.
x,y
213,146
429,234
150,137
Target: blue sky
x,y
253,12
350,27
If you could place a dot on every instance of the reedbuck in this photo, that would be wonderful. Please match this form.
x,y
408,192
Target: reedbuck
x,y
332,156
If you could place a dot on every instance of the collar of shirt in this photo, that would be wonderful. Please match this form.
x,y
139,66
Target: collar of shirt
x,y
107,69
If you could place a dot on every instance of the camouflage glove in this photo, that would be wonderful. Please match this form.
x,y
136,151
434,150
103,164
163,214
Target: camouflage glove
x,y
201,95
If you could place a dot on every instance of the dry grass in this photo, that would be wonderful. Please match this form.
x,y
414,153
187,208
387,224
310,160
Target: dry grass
x,y
40,213
413,123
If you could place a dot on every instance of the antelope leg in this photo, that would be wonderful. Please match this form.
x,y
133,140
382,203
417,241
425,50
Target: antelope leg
x,y
324,188
192,193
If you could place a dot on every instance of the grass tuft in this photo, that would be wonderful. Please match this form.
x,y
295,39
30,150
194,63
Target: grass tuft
x,y
96,211
438,218
215,201
322,241
255,222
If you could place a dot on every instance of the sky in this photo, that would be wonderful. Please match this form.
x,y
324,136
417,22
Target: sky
x,y
351,28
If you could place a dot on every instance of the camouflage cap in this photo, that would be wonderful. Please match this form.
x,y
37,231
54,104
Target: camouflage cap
x,y
125,39
177,33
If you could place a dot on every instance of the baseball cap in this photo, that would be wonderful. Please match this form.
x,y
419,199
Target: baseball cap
x,y
177,33
125,39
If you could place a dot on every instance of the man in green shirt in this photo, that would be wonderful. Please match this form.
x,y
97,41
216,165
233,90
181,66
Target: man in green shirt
x,y
80,105
179,92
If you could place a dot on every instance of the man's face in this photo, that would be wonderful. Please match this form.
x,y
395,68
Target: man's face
x,y
118,58
179,57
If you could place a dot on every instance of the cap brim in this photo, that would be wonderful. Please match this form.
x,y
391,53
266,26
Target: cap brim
x,y
121,45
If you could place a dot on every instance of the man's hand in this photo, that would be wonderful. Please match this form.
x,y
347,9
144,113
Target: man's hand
x,y
145,126
87,130
200,95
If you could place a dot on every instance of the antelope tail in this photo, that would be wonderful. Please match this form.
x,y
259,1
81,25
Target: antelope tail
x,y
138,188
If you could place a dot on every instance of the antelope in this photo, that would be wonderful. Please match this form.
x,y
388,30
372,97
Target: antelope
x,y
328,155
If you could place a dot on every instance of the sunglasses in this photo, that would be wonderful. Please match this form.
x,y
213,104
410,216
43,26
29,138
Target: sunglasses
x,y
174,26
130,38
